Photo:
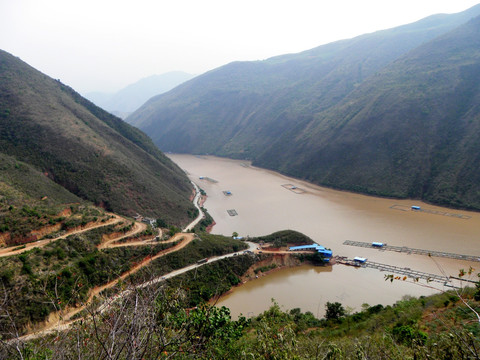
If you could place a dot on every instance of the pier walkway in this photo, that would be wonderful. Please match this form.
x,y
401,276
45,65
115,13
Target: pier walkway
x,y
430,211
408,250
405,271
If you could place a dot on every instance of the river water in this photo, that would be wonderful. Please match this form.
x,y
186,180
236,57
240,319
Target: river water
x,y
265,202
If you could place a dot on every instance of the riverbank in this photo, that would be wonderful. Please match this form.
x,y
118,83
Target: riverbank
x,y
268,264
263,204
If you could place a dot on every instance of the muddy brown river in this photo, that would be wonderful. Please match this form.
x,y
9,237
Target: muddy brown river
x,y
265,201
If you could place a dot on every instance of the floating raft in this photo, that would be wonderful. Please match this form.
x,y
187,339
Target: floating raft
x,y
429,211
232,212
208,179
408,250
293,188
403,271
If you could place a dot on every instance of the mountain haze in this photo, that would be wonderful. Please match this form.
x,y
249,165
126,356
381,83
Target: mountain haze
x,y
89,152
130,98
390,113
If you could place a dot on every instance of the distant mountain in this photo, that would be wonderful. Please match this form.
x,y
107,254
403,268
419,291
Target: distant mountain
x,y
51,129
391,113
130,98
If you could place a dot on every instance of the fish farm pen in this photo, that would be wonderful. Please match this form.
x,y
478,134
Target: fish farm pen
x,y
408,250
405,271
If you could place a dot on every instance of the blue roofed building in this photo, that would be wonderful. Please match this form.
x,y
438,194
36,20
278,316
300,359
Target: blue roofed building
x,y
327,254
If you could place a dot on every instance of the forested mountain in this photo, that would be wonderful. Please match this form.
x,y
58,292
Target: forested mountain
x,y
391,113
130,98
46,127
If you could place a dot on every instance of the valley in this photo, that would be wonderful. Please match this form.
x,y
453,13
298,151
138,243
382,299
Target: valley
x,y
313,205
390,113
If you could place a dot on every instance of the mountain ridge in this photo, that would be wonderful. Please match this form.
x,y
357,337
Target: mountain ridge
x,y
302,127
128,99
88,151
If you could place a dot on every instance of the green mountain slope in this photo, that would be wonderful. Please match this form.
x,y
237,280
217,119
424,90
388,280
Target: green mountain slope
x,y
366,114
89,152
412,130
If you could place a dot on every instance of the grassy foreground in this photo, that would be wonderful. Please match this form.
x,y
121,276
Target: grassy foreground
x,y
153,324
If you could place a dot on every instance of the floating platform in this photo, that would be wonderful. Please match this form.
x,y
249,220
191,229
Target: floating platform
x,y
406,272
408,250
429,211
208,179
232,212
293,188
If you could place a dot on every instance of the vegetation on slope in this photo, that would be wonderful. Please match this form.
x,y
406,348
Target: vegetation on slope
x,y
33,206
416,122
42,280
150,324
207,245
284,238
89,152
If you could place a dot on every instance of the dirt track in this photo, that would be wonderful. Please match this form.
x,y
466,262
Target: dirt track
x,y
63,319
41,243
137,228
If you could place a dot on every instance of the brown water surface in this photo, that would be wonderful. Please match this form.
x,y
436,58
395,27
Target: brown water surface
x,y
329,217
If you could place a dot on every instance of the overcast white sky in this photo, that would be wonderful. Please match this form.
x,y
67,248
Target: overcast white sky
x,y
104,45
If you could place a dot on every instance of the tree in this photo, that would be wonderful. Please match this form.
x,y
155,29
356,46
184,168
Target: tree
x,y
234,234
334,311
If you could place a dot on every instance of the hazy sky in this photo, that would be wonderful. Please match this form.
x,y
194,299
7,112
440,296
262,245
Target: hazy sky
x,y
104,45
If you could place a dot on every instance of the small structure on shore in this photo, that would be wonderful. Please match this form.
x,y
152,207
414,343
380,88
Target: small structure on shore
x,y
327,254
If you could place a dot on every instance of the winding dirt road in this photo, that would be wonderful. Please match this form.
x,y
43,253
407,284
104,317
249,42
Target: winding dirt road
x,y
61,320
14,250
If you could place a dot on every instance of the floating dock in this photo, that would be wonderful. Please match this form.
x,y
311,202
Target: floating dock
x,y
208,179
402,271
408,250
293,188
429,211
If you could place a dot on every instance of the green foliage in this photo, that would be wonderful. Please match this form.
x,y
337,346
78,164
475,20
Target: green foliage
x,y
161,223
409,336
207,245
334,311
210,328
204,223
173,230
284,238
155,324
60,274
212,280
265,268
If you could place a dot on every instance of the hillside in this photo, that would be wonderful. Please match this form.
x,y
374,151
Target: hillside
x,y
295,113
95,156
127,100
415,125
